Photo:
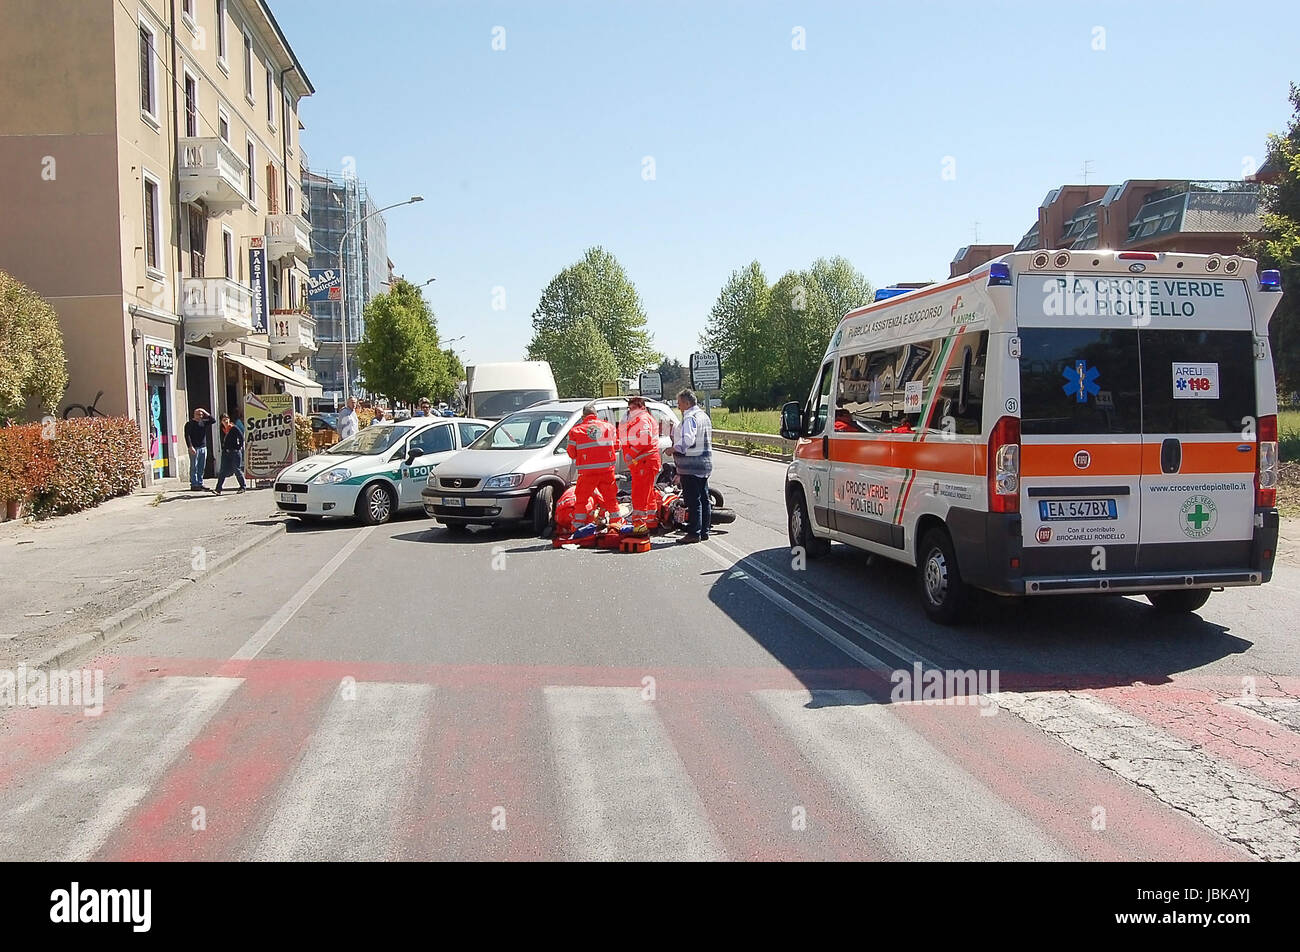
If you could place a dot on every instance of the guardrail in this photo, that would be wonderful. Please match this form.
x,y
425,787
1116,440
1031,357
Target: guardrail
x,y
754,444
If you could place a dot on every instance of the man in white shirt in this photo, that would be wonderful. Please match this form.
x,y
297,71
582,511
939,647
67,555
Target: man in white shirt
x,y
348,424
693,457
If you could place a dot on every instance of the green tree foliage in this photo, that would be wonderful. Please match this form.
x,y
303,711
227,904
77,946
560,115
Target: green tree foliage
x,y
455,369
772,339
1279,247
585,361
399,357
675,377
595,288
32,363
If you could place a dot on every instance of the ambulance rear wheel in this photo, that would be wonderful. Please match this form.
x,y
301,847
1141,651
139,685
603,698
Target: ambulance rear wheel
x,y
544,512
1179,601
943,593
800,526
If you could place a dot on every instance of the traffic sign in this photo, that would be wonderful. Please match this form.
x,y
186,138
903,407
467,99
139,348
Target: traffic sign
x,y
609,388
706,371
652,386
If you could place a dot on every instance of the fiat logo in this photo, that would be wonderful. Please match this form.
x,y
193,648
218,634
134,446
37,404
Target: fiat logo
x,y
1044,534
1137,267
1082,459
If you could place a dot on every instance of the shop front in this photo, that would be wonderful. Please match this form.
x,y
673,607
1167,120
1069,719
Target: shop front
x,y
160,408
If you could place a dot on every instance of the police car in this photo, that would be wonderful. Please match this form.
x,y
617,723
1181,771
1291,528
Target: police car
x,y
376,473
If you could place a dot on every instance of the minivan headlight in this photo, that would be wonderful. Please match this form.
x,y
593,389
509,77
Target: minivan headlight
x,y
509,481
340,475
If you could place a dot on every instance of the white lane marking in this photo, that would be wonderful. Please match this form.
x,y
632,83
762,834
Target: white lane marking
x,y
870,632
262,637
858,654
923,804
92,789
341,801
1244,808
627,795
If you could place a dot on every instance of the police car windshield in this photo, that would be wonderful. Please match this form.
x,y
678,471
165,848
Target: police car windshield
x,y
526,430
372,441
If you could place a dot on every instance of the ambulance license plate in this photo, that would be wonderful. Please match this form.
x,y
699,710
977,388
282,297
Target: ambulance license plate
x,y
1054,509
452,501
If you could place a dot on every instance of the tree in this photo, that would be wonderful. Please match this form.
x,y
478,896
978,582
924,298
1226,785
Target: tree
x,y
32,363
455,369
738,330
674,376
585,362
399,356
1279,247
596,288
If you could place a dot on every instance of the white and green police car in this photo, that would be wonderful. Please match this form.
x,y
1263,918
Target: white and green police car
x,y
375,473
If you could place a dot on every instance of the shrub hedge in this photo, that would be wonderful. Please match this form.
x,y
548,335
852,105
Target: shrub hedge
x,y
65,466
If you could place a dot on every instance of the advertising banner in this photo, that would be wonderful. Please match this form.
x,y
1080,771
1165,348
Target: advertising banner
x,y
325,284
257,281
269,440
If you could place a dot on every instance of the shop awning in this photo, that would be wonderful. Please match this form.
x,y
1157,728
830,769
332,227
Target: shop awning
x,y
298,380
269,368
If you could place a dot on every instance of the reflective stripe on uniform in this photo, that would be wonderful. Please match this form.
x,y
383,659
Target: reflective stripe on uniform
x,y
608,465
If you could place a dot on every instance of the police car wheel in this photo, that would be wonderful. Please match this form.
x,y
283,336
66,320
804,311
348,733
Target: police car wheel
x,y
1180,601
375,505
801,535
943,593
544,512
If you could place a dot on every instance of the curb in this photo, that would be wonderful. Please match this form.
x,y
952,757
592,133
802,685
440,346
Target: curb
x,y
107,631
740,451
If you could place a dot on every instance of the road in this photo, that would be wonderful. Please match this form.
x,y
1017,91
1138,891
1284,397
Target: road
x,y
397,692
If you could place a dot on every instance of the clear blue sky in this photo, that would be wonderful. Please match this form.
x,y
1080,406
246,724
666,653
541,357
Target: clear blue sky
x,y
529,155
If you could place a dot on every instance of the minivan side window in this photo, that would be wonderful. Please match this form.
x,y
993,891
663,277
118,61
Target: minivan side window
x,y
469,432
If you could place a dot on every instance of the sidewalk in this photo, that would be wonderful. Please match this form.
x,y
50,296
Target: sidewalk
x,y
68,581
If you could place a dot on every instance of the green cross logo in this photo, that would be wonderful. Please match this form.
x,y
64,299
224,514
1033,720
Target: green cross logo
x,y
1198,516
817,486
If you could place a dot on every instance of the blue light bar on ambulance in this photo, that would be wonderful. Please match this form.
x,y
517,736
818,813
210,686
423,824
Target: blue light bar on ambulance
x,y
883,293
999,274
1270,280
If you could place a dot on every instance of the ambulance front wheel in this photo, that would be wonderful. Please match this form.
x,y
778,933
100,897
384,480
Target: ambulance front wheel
x,y
1179,601
800,526
943,592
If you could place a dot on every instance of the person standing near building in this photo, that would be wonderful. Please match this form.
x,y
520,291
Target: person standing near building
x,y
196,441
693,457
232,454
348,422
641,452
593,444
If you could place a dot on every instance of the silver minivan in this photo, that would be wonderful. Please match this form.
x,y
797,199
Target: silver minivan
x,y
517,470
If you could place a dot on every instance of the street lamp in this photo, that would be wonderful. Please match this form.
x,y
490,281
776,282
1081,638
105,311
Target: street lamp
x,y
388,284
343,283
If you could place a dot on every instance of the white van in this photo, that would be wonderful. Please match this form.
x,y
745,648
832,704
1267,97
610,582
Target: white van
x,y
1053,422
494,391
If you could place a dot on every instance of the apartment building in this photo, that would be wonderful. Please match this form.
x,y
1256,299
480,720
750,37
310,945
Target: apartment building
x,y
1194,217
153,156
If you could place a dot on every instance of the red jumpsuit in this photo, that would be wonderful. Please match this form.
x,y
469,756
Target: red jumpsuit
x,y
641,451
593,443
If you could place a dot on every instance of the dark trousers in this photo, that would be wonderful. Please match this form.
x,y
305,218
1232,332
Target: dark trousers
x,y
232,464
699,509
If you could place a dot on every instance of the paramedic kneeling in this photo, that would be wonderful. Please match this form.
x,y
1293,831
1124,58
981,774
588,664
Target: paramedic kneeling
x,y
693,457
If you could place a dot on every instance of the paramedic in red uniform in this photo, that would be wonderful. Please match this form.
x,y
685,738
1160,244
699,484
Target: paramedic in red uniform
x,y
641,451
593,444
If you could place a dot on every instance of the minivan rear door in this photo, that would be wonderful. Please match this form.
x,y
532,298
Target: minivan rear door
x,y
1199,411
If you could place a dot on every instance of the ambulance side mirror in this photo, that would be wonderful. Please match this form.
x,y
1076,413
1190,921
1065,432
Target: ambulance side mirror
x,y
791,422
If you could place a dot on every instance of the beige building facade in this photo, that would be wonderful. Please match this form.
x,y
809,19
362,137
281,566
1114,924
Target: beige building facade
x,y
152,149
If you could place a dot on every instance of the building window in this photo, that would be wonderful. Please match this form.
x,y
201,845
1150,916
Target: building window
x,y
148,77
228,252
223,126
248,67
152,224
191,106
272,191
288,122
288,198
187,9
293,291
252,171
198,242
275,286
221,30
270,97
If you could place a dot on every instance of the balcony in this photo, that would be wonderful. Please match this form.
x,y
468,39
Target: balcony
x,y
217,308
292,335
213,172
288,236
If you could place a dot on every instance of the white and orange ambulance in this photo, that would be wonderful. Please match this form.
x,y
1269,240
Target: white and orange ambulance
x,y
1053,422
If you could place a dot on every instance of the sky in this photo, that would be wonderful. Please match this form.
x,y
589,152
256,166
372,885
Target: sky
x,y
690,138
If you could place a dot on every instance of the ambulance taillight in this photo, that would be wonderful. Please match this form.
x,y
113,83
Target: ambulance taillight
x,y
1004,466
1266,463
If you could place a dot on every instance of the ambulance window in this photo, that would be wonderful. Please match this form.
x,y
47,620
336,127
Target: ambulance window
x,y
823,398
1217,373
870,392
961,392
1055,362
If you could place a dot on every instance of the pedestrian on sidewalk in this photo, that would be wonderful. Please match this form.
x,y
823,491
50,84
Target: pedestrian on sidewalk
x,y
196,441
232,454
348,423
693,457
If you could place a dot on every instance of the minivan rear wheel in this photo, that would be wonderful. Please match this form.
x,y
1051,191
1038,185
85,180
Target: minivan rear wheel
x,y
1178,601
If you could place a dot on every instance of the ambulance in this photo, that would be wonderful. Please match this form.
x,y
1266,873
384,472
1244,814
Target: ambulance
x,y
1054,422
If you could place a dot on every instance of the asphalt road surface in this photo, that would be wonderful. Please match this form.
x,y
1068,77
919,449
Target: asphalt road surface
x,y
399,692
